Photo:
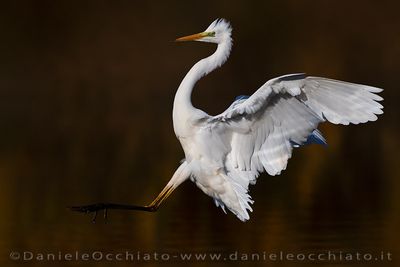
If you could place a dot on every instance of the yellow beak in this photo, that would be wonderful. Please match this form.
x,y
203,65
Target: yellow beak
x,y
192,37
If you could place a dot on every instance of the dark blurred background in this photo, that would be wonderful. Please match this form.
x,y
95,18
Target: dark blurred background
x,y
86,92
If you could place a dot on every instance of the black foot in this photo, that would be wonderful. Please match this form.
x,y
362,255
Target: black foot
x,y
93,208
90,208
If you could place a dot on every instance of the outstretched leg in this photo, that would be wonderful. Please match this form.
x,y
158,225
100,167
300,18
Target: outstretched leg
x,y
179,176
153,206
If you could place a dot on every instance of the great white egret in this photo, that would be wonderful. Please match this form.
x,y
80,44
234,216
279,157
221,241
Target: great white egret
x,y
227,152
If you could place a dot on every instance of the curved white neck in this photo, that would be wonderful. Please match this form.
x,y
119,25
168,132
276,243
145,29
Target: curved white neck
x,y
182,101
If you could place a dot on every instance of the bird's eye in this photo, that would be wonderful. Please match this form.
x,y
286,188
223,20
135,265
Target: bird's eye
x,y
211,34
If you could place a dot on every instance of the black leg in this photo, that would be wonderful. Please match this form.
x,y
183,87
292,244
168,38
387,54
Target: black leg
x,y
94,208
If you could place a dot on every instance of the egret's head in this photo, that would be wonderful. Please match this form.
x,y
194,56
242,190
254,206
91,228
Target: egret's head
x,y
218,31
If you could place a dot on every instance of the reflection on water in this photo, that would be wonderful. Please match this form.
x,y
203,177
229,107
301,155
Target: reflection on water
x,y
282,221
86,95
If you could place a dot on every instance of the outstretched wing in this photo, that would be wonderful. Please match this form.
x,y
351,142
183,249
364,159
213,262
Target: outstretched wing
x,y
284,112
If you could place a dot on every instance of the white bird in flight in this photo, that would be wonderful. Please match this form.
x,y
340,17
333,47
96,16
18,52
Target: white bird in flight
x,y
227,152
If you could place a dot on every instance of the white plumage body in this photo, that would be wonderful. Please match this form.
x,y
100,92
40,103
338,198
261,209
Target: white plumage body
x,y
225,153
